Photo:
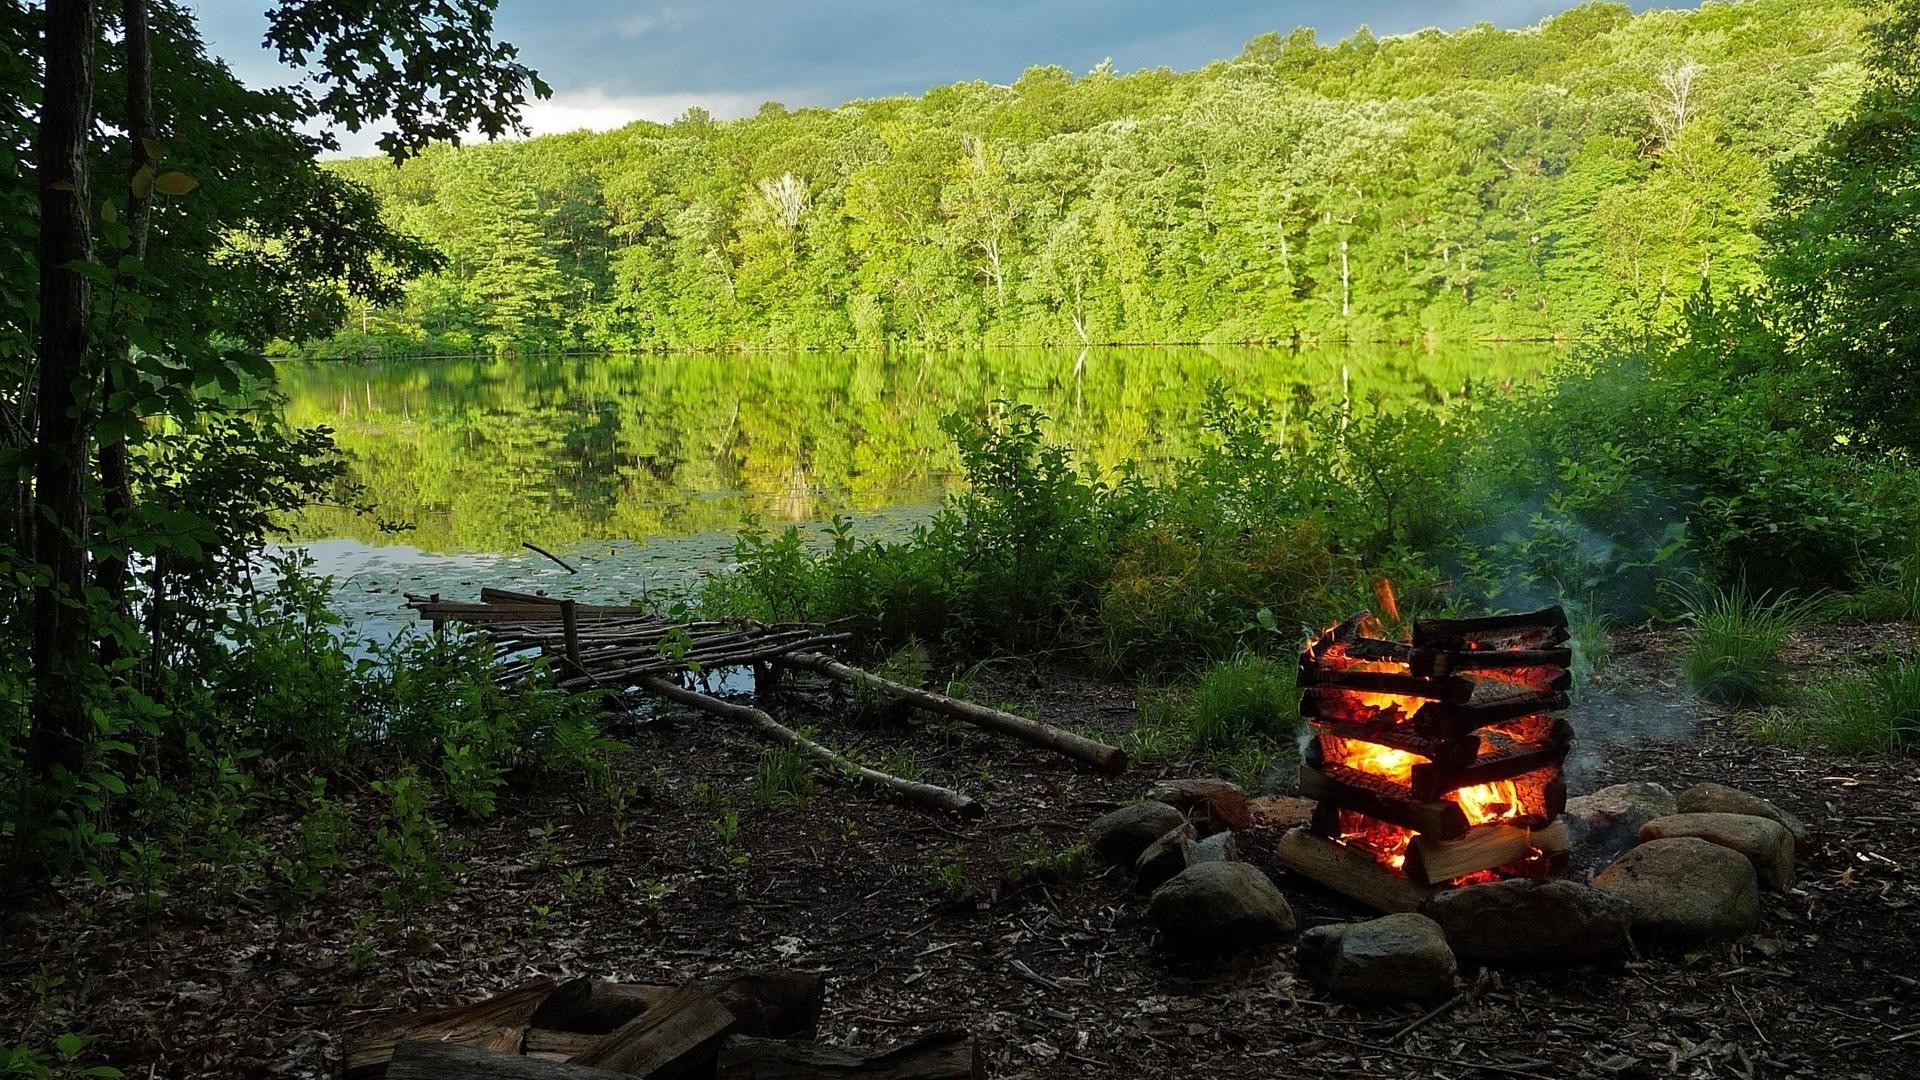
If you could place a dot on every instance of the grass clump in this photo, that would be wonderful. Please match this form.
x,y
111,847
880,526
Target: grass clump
x,y
782,775
1734,641
1239,718
1876,711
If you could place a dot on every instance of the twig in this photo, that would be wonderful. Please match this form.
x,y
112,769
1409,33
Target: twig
x,y
537,549
1429,1017
1507,1070
1021,969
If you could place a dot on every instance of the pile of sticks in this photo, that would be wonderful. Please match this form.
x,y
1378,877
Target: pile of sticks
x,y
624,650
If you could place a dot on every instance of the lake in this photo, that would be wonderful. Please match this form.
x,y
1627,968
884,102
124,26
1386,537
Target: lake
x,y
639,469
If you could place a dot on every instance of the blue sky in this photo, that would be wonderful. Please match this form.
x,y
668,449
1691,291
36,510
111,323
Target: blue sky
x,y
611,63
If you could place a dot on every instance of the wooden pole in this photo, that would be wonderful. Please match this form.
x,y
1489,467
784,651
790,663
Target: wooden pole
x,y
929,795
1106,758
570,632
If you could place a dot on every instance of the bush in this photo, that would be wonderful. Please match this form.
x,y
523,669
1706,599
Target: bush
x,y
1734,641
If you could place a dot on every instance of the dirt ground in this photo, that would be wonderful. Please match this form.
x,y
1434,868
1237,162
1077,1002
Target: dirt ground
x,y
1057,980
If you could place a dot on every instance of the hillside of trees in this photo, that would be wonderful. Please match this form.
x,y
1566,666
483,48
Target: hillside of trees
x,y
1486,183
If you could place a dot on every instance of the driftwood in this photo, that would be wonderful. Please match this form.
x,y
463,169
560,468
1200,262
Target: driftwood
x,y
912,791
947,1055
425,1059
674,1038
1098,754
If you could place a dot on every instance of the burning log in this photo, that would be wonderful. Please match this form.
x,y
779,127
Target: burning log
x,y
1378,798
1349,871
1484,847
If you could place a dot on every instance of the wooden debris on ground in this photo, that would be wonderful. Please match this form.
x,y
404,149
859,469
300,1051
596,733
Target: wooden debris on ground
x,y
756,1024
622,650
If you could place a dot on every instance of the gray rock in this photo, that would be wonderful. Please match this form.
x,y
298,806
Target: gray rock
x,y
1211,804
1400,957
1220,847
1685,890
1164,858
1721,799
1220,907
1523,923
1607,822
1766,843
1120,837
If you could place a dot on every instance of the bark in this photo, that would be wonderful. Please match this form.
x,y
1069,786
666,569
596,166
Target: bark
x,y
427,1060
60,726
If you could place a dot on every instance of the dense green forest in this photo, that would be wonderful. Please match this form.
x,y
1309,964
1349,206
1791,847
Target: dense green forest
x,y
1485,183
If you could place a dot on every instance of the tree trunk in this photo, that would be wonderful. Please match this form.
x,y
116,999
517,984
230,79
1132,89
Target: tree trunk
x,y
60,726
116,486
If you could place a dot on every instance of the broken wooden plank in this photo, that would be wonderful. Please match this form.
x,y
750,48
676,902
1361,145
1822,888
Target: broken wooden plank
x,y
427,1059
947,1055
677,1037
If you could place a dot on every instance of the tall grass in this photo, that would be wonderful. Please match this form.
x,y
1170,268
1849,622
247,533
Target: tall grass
x,y
1871,712
1734,641
1240,719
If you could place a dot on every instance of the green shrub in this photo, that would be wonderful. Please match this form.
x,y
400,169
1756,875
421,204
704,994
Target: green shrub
x,y
1248,699
1734,640
783,774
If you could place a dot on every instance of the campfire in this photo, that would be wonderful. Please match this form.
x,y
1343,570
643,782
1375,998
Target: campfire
x,y
1435,761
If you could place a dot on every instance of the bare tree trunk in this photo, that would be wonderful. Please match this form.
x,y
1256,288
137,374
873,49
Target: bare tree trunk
x,y
117,486
60,729
1346,290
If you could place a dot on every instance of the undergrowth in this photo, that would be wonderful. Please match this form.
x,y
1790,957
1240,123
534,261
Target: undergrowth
x,y
1734,639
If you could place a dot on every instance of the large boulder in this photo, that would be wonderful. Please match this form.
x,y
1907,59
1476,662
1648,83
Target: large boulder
x,y
1164,858
1685,890
1607,822
1523,923
1766,843
1220,847
1721,799
1397,958
1219,907
1120,837
1211,804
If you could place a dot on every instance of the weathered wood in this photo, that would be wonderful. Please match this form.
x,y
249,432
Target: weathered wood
x,y
1453,633
570,634
426,1059
774,1004
677,1037
1098,754
942,1056
478,1022
1349,871
1432,781
929,795
548,1044
1375,797
1452,689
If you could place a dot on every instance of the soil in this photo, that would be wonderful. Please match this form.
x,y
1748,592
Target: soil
x,y
1059,978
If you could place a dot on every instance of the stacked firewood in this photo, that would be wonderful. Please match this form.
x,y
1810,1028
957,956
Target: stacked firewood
x,y
757,1025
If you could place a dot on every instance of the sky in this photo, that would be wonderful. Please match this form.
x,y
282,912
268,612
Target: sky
x,y
612,63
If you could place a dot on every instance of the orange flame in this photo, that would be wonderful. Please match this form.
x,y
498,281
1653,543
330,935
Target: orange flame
x,y
1383,595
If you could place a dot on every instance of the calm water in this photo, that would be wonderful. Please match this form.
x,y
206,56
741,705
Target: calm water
x,y
638,469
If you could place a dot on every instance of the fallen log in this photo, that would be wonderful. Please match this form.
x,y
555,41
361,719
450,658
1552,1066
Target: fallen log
x,y
482,1022
946,1055
929,795
675,1038
427,1059
772,1004
1110,759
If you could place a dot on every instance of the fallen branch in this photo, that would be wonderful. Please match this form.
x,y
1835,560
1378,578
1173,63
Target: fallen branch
x,y
537,549
929,795
1110,759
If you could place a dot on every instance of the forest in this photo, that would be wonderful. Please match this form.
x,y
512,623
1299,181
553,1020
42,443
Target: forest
x,y
1484,183
238,836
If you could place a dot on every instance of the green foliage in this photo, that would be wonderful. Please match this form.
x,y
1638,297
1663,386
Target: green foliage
x,y
783,774
1734,637
63,1063
1872,712
411,847
1246,699
947,872
1036,859
1484,183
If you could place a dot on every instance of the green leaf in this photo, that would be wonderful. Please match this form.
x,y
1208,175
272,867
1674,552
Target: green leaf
x,y
155,150
143,182
174,183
